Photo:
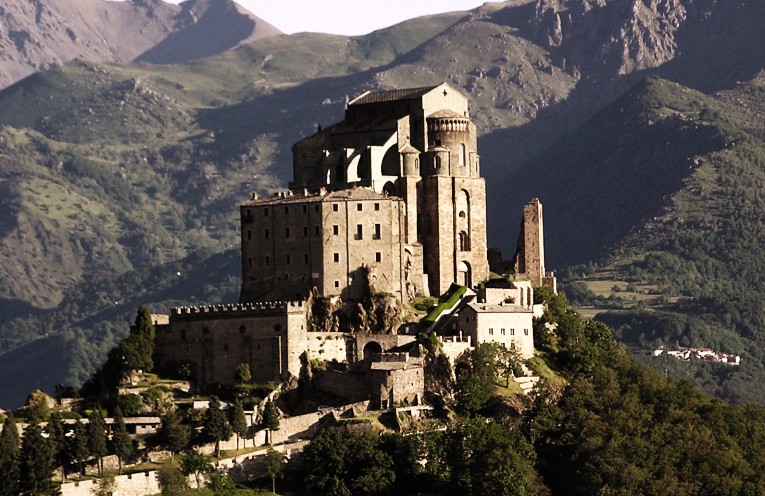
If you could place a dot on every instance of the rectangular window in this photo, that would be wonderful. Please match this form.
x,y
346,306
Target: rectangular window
x,y
316,230
502,331
286,232
266,233
336,257
287,210
525,332
335,207
512,332
305,258
359,207
305,209
337,284
359,231
378,257
249,235
316,208
491,331
289,259
268,261
265,212
377,232
305,231
377,206
335,229
249,261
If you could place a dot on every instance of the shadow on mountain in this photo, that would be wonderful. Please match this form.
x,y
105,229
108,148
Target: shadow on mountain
x,y
220,28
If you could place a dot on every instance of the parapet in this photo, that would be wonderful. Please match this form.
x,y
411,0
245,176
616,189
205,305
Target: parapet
x,y
235,310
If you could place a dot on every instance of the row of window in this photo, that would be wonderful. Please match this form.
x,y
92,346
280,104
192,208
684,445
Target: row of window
x,y
377,234
512,331
316,208
288,259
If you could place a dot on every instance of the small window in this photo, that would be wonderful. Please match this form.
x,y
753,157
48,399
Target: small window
x,y
266,234
265,212
316,230
491,331
378,257
305,209
502,331
316,208
249,262
359,231
359,207
377,232
277,328
336,257
337,284
377,206
525,332
249,235
242,329
305,231
305,258
205,330
335,229
286,232
268,260
287,210
289,259
335,207
512,332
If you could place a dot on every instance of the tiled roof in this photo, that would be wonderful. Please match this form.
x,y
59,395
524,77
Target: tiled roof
x,y
391,95
485,308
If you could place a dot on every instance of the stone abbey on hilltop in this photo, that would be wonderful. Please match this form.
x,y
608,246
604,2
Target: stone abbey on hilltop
x,y
389,201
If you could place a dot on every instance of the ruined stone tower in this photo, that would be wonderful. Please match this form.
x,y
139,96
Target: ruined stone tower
x,y
530,255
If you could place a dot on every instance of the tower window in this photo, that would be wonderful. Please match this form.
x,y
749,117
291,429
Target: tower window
x,y
287,210
359,207
335,229
316,230
464,241
491,331
249,234
336,257
268,261
305,258
377,232
305,231
377,206
305,209
249,261
378,257
266,233
337,284
265,212
286,232
359,231
316,208
289,259
335,207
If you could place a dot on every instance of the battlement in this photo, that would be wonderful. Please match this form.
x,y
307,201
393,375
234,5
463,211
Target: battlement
x,y
238,310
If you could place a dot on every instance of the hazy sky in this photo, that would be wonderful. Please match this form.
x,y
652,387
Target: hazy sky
x,y
347,17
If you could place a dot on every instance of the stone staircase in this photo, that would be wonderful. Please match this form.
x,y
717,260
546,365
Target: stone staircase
x,y
527,381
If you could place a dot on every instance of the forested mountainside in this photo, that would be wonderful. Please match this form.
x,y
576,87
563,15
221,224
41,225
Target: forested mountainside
x,y
121,171
37,35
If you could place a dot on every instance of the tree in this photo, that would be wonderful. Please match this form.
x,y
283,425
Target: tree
x,y
238,421
172,482
509,363
196,464
173,435
137,348
38,406
106,485
37,463
215,426
9,457
274,461
242,373
270,419
121,440
79,445
97,439
57,436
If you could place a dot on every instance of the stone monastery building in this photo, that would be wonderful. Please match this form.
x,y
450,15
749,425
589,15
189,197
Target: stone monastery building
x,y
389,199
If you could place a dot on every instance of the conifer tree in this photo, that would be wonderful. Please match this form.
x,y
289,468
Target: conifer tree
x,y
121,440
216,426
270,419
57,436
79,446
137,348
97,439
173,435
37,463
9,457
238,421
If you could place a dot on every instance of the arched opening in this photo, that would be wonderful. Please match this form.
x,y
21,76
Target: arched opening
x,y
389,189
462,158
372,349
464,276
391,163
464,241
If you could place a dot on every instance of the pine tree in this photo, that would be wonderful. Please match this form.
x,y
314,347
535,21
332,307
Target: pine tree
x,y
57,436
216,426
137,348
121,440
97,439
9,457
274,461
79,446
270,419
238,421
37,463
173,435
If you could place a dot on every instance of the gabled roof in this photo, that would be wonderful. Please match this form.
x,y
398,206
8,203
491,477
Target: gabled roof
x,y
391,95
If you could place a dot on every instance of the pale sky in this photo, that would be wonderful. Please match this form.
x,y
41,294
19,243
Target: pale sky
x,y
346,17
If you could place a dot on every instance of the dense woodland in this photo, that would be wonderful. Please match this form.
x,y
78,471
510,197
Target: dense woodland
x,y
598,424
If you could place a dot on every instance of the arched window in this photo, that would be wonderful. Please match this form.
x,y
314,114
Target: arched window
x,y
463,155
464,241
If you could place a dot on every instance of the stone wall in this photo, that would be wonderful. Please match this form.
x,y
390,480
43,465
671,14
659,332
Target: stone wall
x,y
139,484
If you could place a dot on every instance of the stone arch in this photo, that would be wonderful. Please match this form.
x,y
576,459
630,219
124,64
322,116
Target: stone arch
x,y
371,350
464,274
389,188
463,241
391,162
